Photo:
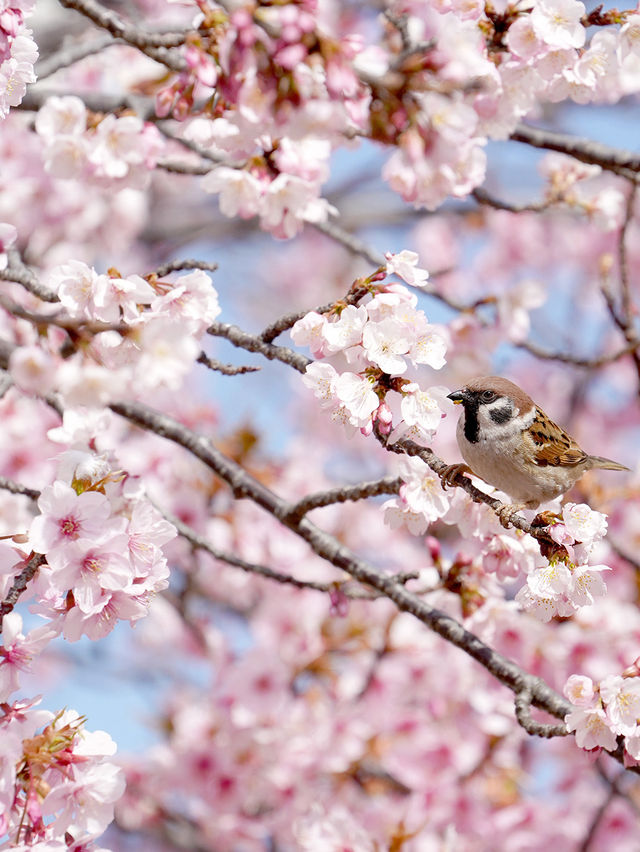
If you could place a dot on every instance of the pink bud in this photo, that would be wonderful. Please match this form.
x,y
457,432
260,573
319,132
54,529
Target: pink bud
x,y
367,429
339,602
435,549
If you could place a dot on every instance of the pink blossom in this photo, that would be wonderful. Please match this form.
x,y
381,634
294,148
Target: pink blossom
x,y
167,353
591,728
428,347
17,650
90,570
114,298
61,116
117,145
385,343
424,494
346,330
579,690
75,283
420,409
33,369
193,299
522,39
557,22
358,397
309,331
583,523
69,517
17,70
621,697
321,378
405,265
147,532
514,307
105,614
240,192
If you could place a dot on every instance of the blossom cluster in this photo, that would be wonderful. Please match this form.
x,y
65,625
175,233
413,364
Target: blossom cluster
x,y
284,200
57,778
18,53
474,74
102,543
269,90
585,188
568,581
605,711
364,350
142,334
117,151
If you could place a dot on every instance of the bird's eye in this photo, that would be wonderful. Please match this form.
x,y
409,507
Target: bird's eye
x,y
488,396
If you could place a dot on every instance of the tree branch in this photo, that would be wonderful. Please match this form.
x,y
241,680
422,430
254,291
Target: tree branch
x,y
342,494
188,263
20,273
225,369
20,584
616,160
537,729
328,547
155,45
484,198
588,363
253,343
68,56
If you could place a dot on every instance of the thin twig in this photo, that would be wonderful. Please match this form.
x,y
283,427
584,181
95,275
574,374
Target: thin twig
x,y
200,543
588,363
17,488
62,320
157,46
596,820
616,160
19,585
20,273
188,263
252,343
438,466
284,323
181,168
342,494
225,369
70,55
623,317
351,242
324,544
537,729
483,197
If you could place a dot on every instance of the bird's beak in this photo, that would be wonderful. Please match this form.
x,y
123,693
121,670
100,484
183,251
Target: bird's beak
x,y
457,397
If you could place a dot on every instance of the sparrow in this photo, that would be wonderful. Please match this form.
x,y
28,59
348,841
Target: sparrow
x,y
507,440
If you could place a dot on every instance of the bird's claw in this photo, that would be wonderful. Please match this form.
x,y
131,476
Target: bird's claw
x,y
451,473
505,513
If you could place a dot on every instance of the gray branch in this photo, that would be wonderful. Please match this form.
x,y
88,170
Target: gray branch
x,y
252,343
157,46
243,485
19,585
624,163
225,369
342,494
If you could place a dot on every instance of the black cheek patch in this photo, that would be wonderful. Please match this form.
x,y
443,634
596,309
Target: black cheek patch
x,y
500,415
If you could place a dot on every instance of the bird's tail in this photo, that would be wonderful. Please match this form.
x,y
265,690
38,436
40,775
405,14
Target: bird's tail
x,y
605,464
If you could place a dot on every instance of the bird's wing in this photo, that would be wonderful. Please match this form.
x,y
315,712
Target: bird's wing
x,y
551,445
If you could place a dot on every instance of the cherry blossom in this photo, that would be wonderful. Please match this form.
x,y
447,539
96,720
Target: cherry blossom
x,y
303,665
